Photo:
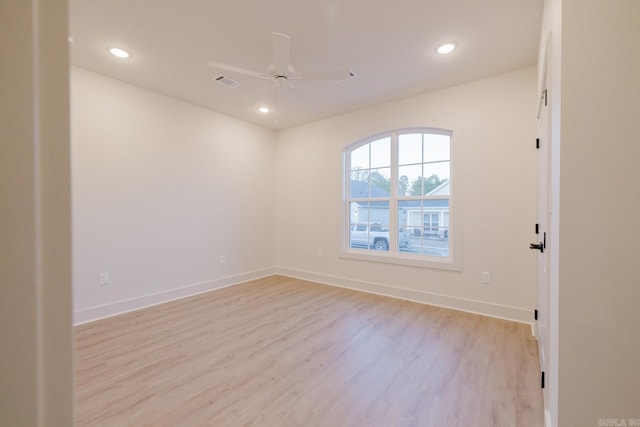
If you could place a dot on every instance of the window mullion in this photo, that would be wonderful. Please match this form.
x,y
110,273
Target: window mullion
x,y
393,196
346,219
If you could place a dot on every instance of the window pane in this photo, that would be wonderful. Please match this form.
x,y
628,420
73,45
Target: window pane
x,y
436,147
435,175
381,153
362,213
360,175
380,180
404,232
379,226
406,185
360,158
418,186
369,226
359,184
358,229
354,215
423,227
379,214
410,149
409,236
403,185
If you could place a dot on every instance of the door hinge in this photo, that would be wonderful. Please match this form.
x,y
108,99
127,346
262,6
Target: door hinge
x,y
535,314
544,240
538,143
545,97
537,228
542,380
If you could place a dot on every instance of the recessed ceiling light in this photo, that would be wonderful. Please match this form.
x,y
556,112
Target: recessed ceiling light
x,y
445,48
119,52
264,109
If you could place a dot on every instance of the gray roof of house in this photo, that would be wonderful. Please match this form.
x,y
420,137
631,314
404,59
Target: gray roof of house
x,y
360,189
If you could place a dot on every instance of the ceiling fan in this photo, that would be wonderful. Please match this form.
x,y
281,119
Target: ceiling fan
x,y
281,72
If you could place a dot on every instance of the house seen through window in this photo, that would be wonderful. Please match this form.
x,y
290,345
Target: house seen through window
x,y
398,189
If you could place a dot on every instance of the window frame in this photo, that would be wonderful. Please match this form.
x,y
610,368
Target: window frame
x,y
451,262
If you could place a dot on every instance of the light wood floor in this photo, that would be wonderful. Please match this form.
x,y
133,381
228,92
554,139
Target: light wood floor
x,y
284,352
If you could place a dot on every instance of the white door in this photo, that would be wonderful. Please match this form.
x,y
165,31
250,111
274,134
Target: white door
x,y
542,231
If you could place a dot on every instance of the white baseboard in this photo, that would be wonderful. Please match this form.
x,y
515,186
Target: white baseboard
x,y
515,314
477,307
119,307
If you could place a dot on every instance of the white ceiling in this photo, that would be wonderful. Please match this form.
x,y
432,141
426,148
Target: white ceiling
x,y
388,44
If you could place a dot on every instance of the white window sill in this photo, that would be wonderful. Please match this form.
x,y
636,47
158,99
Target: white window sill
x,y
439,263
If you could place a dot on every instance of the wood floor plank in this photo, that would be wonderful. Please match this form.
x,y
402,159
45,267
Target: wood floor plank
x,y
284,352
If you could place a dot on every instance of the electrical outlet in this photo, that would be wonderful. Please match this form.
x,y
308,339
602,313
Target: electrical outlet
x,y
103,279
319,253
223,259
486,277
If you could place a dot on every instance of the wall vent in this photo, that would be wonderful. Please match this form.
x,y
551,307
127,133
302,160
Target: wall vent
x,y
226,81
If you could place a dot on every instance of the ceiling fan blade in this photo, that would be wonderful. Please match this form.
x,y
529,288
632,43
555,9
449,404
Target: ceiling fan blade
x,y
335,74
238,70
260,94
281,53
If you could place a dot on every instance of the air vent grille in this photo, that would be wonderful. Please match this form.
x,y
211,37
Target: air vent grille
x,y
226,81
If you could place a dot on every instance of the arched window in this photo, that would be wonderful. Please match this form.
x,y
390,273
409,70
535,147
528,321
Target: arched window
x,y
398,193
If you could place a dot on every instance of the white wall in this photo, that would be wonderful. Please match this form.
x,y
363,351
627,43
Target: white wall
x,y
494,122
599,279
162,189
36,372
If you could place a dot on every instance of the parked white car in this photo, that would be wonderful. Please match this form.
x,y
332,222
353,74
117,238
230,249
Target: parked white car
x,y
374,236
